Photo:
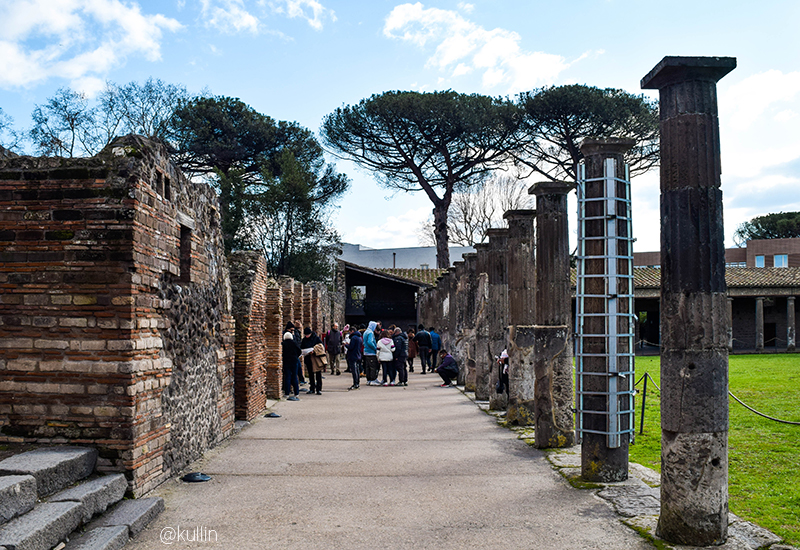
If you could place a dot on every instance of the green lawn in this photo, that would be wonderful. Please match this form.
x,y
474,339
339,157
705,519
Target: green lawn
x,y
764,456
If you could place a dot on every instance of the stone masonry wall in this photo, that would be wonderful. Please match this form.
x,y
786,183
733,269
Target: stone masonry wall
x,y
115,325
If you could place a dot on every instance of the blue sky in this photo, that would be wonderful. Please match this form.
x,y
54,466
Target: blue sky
x,y
300,59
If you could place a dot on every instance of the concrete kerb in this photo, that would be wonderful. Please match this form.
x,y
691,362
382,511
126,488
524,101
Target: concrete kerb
x,y
636,501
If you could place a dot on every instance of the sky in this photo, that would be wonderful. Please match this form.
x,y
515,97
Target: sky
x,y
299,60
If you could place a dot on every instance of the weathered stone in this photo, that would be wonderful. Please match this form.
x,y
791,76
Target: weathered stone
x,y
551,352
552,355
17,495
135,514
694,320
102,538
95,495
694,474
41,528
751,534
53,467
631,501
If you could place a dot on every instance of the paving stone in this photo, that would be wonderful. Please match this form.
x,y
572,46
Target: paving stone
x,y
135,514
53,467
648,475
753,535
43,527
631,501
95,495
102,538
17,496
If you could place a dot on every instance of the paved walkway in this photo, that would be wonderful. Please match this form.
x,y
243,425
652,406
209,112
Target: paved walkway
x,y
382,468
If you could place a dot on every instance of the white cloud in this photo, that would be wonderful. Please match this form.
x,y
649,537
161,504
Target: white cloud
x,y
312,11
760,145
467,47
229,16
74,39
396,232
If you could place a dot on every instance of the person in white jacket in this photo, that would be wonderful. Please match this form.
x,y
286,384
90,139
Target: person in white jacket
x,y
386,357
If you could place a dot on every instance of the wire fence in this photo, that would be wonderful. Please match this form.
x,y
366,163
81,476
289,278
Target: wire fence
x,y
646,376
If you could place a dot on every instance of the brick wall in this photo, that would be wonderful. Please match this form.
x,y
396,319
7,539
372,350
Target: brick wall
x,y
249,281
115,324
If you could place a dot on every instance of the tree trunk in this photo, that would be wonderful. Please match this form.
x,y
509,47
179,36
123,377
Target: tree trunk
x,y
440,209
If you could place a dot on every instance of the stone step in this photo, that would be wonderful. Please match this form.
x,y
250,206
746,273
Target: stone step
x,y
134,514
17,496
95,495
53,467
101,538
43,527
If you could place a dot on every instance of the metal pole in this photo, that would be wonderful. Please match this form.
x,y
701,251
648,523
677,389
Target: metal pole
x,y
644,398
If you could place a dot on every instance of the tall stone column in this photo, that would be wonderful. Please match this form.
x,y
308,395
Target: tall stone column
x,y
730,324
760,323
482,347
549,341
521,299
498,310
694,321
790,324
468,316
605,342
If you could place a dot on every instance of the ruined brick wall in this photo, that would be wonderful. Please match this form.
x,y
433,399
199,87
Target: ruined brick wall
x,y
115,311
257,302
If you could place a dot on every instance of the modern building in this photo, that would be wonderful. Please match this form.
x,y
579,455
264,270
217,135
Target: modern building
x,y
756,253
419,257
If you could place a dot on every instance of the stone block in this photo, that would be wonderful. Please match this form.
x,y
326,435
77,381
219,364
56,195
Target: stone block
x,y
43,527
102,538
17,496
53,467
135,514
95,495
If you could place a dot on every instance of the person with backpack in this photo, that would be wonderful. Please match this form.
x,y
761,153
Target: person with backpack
x,y
354,356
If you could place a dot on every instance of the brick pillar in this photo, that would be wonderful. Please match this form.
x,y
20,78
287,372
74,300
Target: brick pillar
x,y
790,324
547,343
482,347
498,311
299,292
287,302
760,323
694,355
521,298
273,332
605,347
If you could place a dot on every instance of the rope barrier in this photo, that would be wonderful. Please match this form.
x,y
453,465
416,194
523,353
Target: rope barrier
x,y
762,414
742,403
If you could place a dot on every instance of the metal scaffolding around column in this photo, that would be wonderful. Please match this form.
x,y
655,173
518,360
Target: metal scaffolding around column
x,y
605,313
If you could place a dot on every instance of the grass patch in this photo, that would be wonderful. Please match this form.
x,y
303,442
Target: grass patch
x,y
763,455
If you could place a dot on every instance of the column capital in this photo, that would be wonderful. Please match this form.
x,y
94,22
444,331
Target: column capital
x,y
497,232
676,69
511,215
608,146
551,188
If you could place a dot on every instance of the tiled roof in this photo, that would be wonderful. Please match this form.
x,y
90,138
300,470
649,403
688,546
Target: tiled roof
x,y
427,276
650,277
